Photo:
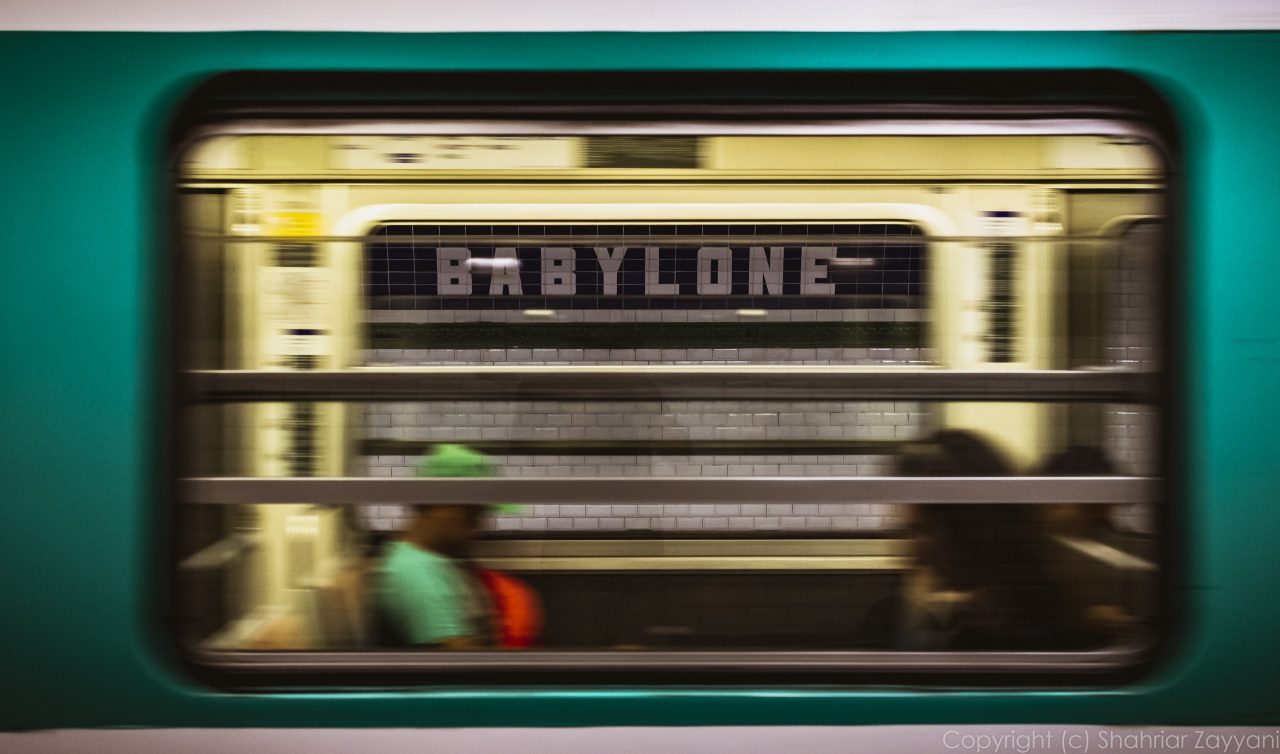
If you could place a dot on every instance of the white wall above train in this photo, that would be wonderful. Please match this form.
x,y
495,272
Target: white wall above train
x,y
668,15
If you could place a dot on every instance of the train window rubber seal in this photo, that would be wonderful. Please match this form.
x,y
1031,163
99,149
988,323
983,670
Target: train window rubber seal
x,y
742,99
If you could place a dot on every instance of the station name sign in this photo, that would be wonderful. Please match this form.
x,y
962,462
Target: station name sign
x,y
710,271
742,263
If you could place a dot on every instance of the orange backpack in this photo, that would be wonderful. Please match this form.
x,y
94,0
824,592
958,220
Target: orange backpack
x,y
517,611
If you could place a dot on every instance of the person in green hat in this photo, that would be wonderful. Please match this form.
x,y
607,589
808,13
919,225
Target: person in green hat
x,y
424,595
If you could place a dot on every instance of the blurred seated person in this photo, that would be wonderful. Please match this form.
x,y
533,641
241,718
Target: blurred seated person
x,y
1103,613
425,594
979,580
1076,519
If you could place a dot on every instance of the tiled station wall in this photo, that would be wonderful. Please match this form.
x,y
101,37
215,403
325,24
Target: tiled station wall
x,y
1133,315
1128,434
668,420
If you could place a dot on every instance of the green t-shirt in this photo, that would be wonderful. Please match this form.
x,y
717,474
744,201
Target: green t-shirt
x,y
427,597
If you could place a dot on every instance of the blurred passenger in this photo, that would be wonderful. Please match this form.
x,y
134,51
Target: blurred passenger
x,y
1072,518
425,595
1103,613
979,579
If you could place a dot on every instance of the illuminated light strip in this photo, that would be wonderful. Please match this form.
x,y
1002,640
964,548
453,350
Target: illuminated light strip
x,y
499,263
1107,554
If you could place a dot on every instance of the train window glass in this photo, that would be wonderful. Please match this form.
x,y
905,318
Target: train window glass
x,y
664,401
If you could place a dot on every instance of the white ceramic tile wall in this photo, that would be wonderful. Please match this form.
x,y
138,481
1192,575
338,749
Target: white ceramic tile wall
x,y
1129,432
669,420
1133,317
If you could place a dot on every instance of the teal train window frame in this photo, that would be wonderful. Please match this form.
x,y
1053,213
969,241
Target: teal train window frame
x,y
731,98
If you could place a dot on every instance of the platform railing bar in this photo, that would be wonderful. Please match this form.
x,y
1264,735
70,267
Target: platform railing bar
x,y
657,383
670,490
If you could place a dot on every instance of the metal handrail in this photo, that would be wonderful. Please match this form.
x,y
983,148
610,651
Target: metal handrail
x,y
658,383
666,490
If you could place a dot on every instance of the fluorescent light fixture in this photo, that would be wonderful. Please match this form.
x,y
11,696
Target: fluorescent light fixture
x,y
752,313
852,262
544,313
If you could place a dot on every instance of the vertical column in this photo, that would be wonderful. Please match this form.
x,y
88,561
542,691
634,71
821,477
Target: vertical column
x,y
302,291
999,300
